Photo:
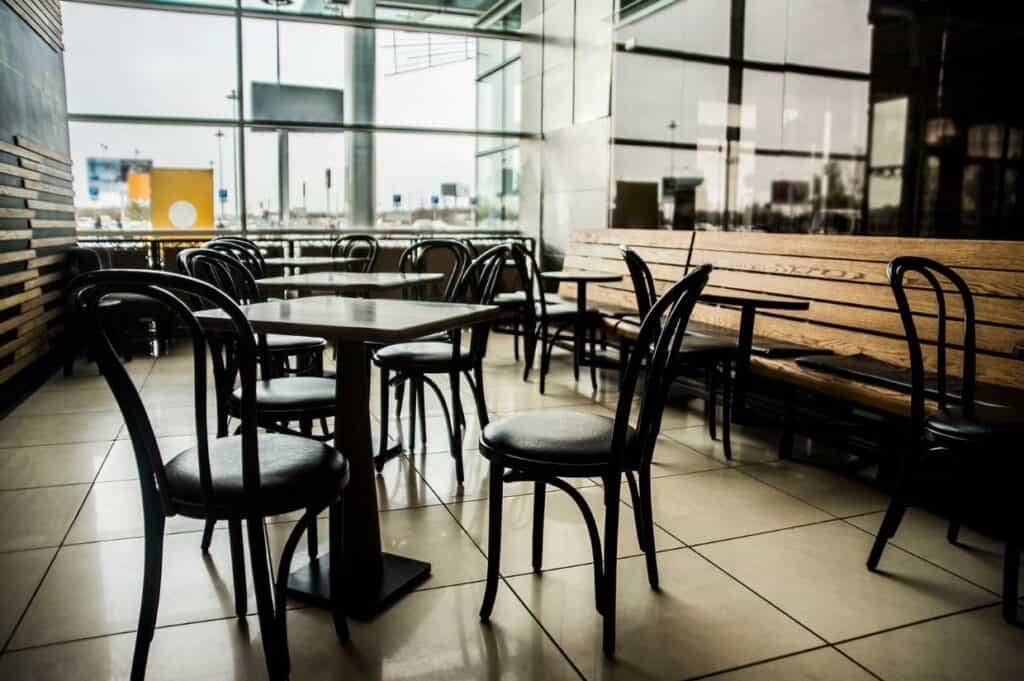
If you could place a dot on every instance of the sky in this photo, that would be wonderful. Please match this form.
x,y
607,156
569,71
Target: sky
x,y
154,63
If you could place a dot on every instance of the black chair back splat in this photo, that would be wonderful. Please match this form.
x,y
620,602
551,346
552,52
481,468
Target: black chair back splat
x,y
357,246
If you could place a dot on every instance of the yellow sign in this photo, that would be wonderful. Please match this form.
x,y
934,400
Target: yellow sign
x,y
182,198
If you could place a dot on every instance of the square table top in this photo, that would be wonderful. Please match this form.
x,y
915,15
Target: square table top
x,y
355,319
346,281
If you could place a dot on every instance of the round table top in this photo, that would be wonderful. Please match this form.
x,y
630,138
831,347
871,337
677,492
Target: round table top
x,y
754,300
581,276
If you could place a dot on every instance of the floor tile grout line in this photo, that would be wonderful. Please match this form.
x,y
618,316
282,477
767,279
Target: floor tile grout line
x,y
857,662
757,663
56,553
915,623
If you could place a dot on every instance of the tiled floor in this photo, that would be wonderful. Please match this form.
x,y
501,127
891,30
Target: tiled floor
x,y
761,563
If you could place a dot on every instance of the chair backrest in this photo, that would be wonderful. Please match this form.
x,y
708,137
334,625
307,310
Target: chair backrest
x,y
245,250
166,288
357,246
933,273
478,284
657,345
82,259
416,259
222,270
643,281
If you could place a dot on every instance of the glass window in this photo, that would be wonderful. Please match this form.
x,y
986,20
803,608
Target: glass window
x,y
761,113
829,33
699,26
132,62
133,175
825,114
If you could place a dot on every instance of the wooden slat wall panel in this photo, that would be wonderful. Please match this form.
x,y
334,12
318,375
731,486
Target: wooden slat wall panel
x,y
45,19
852,308
32,318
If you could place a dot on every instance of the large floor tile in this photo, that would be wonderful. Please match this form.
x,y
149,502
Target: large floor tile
x,y
39,517
46,465
429,534
817,575
566,541
439,471
749,445
976,645
817,665
437,433
24,431
700,622
831,492
432,635
399,485
673,458
120,463
977,557
722,504
113,510
169,421
68,400
20,574
95,589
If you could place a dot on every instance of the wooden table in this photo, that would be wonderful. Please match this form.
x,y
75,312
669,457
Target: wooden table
x,y
581,278
346,282
374,579
299,262
749,304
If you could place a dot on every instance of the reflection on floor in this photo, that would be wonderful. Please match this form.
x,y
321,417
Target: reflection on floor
x,y
762,563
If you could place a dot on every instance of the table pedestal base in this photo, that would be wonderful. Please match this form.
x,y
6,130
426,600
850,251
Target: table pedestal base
x,y
399,575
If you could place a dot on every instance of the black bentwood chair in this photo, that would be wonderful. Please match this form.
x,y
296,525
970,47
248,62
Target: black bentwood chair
x,y
356,246
713,354
960,428
417,360
242,478
546,446
306,350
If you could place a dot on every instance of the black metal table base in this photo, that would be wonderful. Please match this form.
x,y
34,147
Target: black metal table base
x,y
399,575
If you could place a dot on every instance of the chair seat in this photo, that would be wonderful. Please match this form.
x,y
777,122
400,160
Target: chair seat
x,y
422,355
951,424
295,473
280,343
557,437
292,393
562,309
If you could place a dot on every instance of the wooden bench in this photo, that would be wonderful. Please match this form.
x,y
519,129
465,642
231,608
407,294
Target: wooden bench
x,y
852,310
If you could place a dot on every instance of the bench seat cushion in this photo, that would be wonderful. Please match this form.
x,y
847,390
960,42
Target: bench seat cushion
x,y
866,369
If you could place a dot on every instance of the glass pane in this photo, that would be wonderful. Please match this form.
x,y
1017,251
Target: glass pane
x,y
696,177
829,33
142,176
761,114
700,26
158,77
825,114
764,35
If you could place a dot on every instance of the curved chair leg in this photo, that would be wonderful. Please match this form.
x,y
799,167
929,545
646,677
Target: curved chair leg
x,y
651,550
612,490
727,409
208,527
711,403
515,337
497,470
238,567
593,357
451,425
529,346
382,446
638,511
399,382
150,595
455,431
479,396
545,355
422,403
413,407
307,521
269,633
539,497
891,521
312,538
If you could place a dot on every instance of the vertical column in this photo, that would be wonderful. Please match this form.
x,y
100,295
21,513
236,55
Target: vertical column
x,y
283,196
360,86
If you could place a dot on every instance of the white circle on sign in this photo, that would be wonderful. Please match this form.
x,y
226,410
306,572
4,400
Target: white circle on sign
x,y
182,213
